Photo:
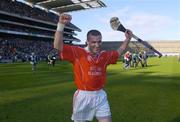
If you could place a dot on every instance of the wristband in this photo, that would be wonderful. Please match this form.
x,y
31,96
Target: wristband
x,y
60,27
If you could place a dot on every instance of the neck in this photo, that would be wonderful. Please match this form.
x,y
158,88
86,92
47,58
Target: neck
x,y
95,54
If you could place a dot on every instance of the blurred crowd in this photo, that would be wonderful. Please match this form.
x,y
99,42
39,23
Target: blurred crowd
x,y
26,30
13,6
18,50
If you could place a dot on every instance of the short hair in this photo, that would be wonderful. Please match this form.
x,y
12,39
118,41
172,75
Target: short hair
x,y
93,33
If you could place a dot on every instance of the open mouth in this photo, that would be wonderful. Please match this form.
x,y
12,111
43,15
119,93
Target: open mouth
x,y
97,49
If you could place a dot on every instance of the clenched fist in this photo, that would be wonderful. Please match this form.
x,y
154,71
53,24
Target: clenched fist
x,y
65,18
128,34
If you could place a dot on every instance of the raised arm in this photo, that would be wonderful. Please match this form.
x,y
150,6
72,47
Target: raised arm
x,y
58,38
123,46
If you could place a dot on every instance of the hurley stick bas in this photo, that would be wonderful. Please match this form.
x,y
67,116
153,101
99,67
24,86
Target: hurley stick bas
x,y
116,25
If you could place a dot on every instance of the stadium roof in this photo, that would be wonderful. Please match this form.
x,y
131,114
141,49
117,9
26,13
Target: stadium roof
x,y
67,5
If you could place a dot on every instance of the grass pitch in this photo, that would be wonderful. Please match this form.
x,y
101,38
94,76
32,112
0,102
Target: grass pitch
x,y
150,94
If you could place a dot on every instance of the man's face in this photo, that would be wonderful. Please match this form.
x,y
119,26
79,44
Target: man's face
x,y
94,44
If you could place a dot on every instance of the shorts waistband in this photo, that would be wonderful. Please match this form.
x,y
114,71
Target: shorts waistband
x,y
91,92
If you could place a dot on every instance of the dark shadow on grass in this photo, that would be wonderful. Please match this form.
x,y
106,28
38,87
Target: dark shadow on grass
x,y
28,107
139,89
144,77
111,73
177,119
146,72
152,65
117,79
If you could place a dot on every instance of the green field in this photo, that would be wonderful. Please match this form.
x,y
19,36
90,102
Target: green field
x,y
150,94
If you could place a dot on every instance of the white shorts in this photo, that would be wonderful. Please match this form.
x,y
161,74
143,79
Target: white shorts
x,y
87,104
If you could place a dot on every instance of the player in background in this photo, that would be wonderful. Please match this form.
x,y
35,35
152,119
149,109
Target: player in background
x,y
33,61
144,58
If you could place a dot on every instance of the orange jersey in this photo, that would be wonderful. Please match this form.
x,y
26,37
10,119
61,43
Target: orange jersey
x,y
89,73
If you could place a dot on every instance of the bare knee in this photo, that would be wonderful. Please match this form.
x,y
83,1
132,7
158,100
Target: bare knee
x,y
79,121
105,119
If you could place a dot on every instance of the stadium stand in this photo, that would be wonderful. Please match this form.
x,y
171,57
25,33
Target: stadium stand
x,y
67,5
167,48
113,45
20,19
26,27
